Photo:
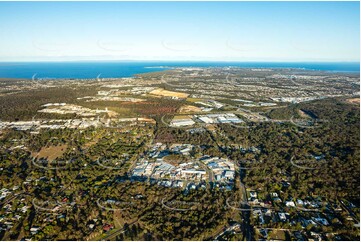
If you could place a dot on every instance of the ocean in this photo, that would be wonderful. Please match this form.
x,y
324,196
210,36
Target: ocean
x,y
109,69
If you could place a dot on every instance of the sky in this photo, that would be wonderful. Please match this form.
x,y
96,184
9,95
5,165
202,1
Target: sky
x,y
215,31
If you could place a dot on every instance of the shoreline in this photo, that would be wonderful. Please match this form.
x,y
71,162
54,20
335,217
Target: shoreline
x,y
170,68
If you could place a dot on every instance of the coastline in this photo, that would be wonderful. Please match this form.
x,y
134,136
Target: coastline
x,y
123,69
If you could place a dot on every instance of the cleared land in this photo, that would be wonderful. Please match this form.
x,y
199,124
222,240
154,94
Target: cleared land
x,y
189,109
51,153
166,93
354,100
181,117
303,114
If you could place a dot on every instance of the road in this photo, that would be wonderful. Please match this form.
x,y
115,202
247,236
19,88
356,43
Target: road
x,y
351,213
209,171
247,227
111,235
11,198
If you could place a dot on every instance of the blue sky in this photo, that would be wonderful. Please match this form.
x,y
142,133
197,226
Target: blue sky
x,y
230,31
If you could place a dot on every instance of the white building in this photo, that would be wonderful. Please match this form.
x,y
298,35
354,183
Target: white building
x,y
206,120
103,93
182,122
290,204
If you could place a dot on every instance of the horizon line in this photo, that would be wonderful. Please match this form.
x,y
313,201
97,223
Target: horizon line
x,y
156,60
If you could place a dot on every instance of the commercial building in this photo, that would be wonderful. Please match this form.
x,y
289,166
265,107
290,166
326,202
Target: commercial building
x,y
182,122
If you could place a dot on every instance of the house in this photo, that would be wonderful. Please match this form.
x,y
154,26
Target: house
x,y
264,233
9,225
316,235
267,203
274,194
282,217
258,212
253,194
212,164
185,151
277,199
268,212
290,204
300,202
322,221
167,183
24,209
178,184
192,186
107,227
285,184
229,174
34,230
138,196
299,236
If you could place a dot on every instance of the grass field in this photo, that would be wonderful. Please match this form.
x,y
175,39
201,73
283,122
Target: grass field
x,y
51,153
193,100
277,235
